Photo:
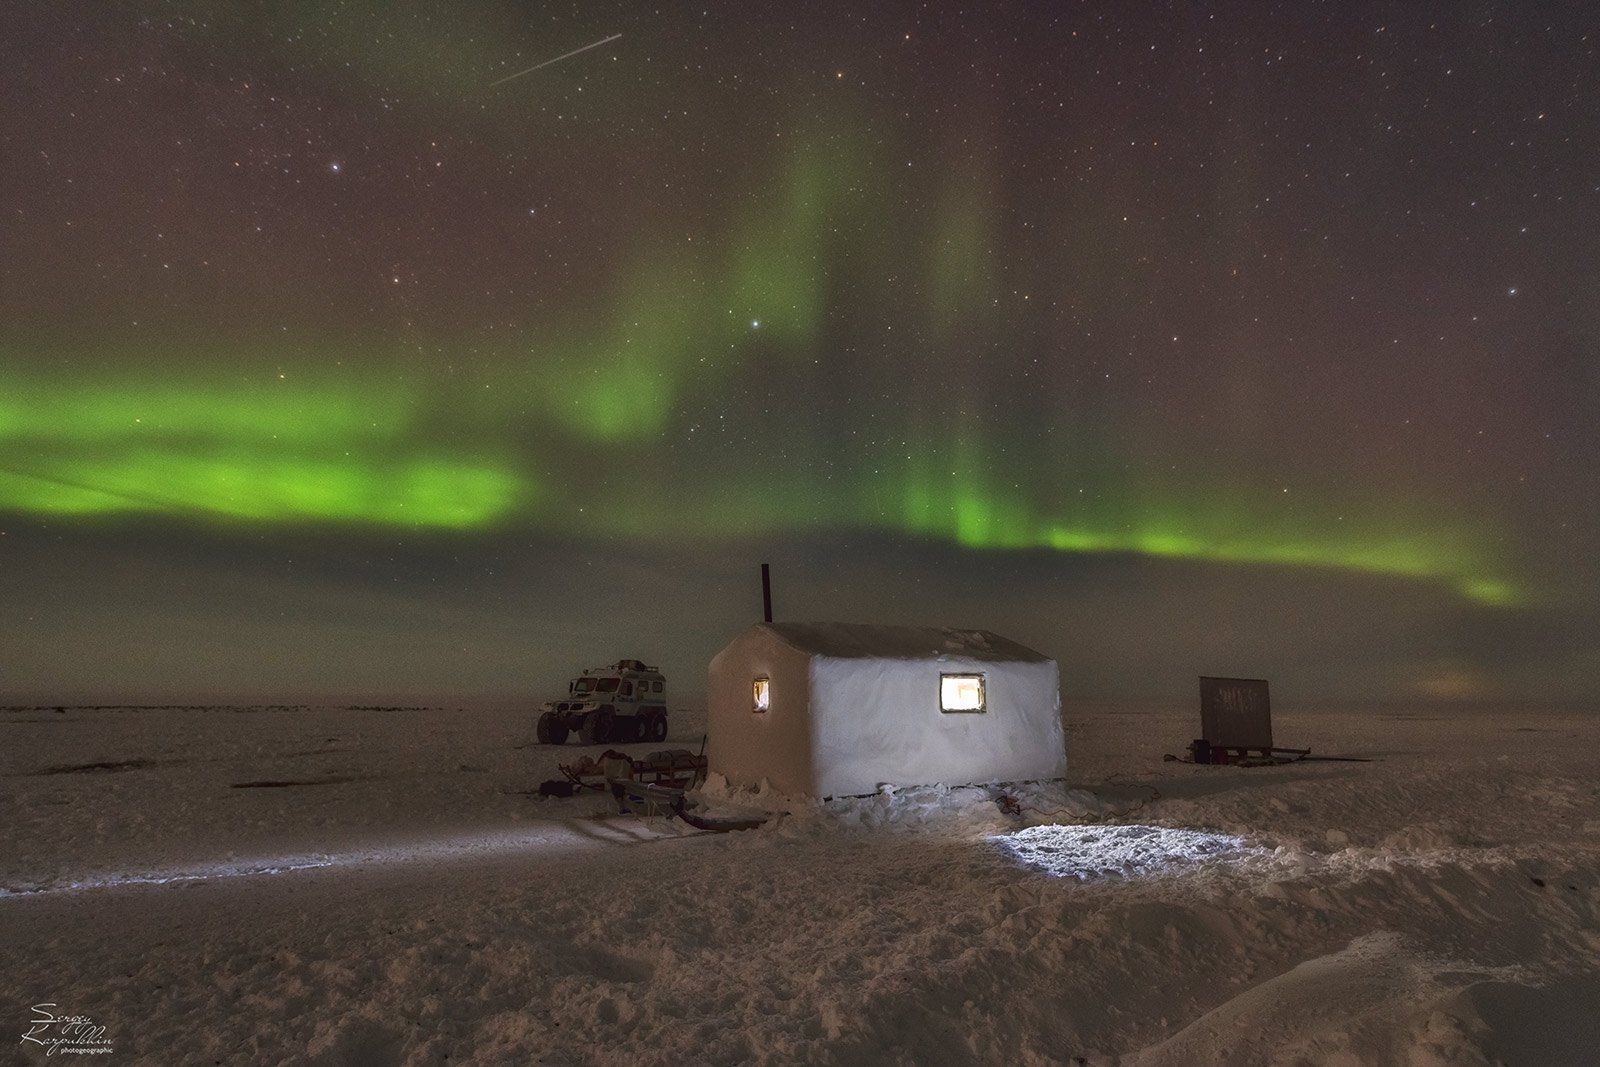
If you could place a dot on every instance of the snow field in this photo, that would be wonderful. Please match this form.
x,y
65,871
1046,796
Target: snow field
x,y
1441,906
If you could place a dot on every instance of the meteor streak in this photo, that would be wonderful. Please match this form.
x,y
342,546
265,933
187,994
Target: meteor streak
x,y
557,59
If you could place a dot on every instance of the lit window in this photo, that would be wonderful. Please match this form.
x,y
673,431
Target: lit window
x,y
961,692
760,694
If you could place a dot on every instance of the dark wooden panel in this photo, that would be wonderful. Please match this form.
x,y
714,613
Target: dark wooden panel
x,y
1236,712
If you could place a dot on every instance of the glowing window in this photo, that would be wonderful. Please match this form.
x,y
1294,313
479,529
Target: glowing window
x,y
760,693
961,692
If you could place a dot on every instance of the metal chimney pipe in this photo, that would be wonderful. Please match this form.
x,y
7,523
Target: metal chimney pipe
x,y
766,592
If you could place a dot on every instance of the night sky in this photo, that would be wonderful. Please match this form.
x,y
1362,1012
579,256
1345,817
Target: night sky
x,y
1171,339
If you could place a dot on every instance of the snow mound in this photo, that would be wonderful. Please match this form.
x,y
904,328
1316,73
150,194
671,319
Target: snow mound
x,y
974,810
1351,1006
1379,1000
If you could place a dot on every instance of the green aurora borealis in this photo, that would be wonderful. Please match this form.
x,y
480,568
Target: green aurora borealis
x,y
1067,290
349,450
365,447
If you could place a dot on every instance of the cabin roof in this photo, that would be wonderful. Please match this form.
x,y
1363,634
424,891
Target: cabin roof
x,y
853,640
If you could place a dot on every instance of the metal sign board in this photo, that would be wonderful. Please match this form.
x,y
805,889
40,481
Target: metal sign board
x,y
1235,712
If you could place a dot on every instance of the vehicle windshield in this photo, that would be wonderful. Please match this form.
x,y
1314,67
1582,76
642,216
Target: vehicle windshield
x,y
595,685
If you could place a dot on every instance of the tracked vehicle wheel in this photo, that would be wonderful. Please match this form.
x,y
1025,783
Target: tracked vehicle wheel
x,y
552,729
599,726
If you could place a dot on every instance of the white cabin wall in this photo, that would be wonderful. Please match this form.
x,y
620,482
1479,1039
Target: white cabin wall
x,y
878,721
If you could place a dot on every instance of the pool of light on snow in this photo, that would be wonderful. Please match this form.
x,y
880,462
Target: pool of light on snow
x,y
1086,852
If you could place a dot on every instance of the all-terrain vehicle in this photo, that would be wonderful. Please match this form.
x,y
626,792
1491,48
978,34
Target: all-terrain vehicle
x,y
626,701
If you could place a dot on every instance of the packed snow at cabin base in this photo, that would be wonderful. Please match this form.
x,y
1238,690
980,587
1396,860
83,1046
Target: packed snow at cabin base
x,y
367,886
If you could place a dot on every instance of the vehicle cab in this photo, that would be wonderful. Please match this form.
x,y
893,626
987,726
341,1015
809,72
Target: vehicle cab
x,y
623,701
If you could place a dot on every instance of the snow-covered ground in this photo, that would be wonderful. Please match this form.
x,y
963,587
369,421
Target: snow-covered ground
x,y
341,886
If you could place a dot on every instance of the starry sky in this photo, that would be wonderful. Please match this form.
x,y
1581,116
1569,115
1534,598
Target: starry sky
x,y
1170,339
